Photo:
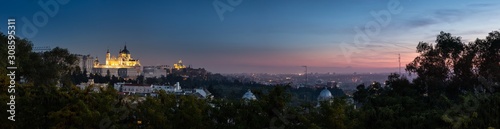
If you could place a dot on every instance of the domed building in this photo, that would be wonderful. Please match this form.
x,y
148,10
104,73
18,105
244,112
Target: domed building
x,y
249,96
122,66
179,65
324,95
122,61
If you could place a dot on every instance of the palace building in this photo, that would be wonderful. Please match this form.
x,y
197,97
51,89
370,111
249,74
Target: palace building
x,y
121,66
85,62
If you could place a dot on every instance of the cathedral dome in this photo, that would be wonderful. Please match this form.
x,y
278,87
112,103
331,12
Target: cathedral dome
x,y
125,50
325,94
249,95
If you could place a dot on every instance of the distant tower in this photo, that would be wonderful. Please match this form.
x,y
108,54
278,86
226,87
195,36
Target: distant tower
x,y
96,62
108,57
399,60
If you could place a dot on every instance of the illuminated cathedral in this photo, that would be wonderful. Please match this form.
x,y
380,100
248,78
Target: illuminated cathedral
x,y
124,60
123,65
179,65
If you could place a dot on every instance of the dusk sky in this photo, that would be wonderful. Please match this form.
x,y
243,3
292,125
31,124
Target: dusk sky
x,y
275,36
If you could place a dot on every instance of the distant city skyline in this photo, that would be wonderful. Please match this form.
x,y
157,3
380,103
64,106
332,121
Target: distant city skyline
x,y
277,36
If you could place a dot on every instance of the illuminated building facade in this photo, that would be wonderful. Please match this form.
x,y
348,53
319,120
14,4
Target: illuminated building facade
x,y
122,66
179,65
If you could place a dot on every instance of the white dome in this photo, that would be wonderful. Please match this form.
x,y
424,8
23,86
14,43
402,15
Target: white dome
x,y
249,95
325,94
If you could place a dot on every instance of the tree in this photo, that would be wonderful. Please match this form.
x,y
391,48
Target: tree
x,y
140,79
488,58
361,94
436,64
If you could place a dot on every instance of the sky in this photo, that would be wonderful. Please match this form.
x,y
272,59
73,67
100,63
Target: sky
x,y
252,36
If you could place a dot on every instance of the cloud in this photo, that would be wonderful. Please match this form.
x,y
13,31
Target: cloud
x,y
482,5
420,22
450,15
374,46
440,16
473,32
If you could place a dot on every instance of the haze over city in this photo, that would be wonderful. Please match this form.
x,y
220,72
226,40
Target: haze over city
x,y
277,36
